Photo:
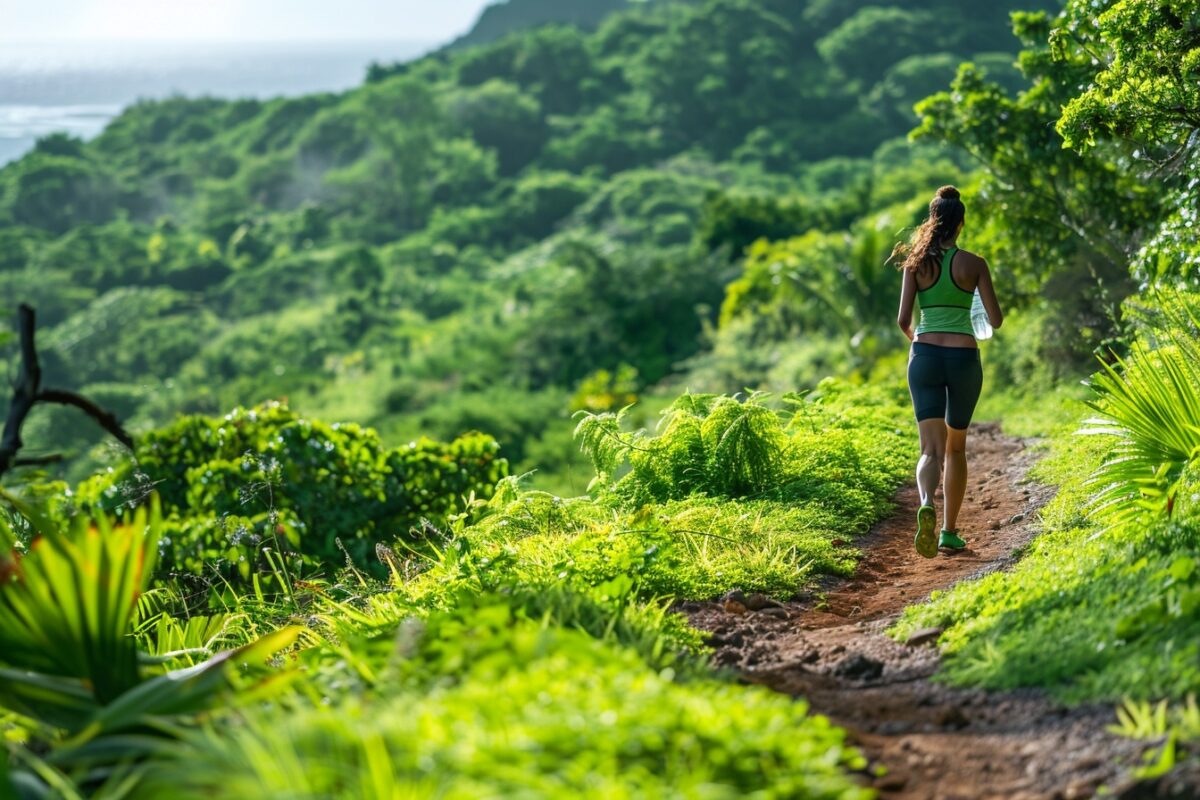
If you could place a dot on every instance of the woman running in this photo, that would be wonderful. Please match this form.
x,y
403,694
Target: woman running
x,y
944,373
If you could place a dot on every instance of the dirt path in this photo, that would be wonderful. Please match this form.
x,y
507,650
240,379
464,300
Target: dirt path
x,y
936,743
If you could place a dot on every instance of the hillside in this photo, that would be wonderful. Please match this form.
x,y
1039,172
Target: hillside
x,y
417,254
511,16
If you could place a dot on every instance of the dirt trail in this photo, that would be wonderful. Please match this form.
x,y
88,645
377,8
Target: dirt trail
x,y
936,743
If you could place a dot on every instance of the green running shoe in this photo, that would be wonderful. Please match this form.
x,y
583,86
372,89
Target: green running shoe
x,y
925,542
951,541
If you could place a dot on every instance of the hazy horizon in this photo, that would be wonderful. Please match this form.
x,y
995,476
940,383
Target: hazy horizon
x,y
77,87
238,21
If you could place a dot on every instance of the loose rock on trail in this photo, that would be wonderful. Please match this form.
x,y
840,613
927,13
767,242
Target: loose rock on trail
x,y
936,742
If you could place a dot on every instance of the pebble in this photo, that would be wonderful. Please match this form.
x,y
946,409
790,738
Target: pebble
x,y
734,639
891,782
952,717
859,667
1017,518
923,636
1079,790
758,601
734,607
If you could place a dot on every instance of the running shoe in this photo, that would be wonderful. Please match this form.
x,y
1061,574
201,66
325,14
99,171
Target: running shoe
x,y
926,541
951,541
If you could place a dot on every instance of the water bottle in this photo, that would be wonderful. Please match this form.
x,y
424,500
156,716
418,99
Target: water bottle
x,y
979,318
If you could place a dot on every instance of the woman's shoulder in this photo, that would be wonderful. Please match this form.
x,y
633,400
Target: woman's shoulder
x,y
968,259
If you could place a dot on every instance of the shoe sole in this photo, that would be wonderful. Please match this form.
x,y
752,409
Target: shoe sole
x,y
926,541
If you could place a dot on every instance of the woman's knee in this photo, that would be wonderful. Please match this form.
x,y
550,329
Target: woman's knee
x,y
936,450
956,441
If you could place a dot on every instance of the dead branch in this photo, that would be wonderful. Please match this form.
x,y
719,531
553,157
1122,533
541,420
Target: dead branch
x,y
27,392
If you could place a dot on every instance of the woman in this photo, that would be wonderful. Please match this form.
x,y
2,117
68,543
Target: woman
x,y
944,373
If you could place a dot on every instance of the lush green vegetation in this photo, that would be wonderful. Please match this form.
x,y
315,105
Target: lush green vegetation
x,y
560,607
468,241
497,265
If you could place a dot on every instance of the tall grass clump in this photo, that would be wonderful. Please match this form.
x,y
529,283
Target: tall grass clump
x,y
843,446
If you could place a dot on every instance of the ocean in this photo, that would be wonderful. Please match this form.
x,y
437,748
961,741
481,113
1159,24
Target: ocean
x,y
77,87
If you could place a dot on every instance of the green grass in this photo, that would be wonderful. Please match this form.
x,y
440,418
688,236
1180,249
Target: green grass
x,y
1033,413
489,705
840,460
525,646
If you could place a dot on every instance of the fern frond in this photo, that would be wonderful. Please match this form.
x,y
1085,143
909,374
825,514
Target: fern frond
x,y
744,442
603,442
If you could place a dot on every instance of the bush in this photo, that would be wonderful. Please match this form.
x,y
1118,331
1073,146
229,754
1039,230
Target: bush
x,y
342,489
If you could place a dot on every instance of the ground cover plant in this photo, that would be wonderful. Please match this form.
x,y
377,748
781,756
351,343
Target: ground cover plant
x,y
559,606
576,716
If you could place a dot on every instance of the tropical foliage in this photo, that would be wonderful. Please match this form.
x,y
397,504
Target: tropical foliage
x,y
671,210
468,237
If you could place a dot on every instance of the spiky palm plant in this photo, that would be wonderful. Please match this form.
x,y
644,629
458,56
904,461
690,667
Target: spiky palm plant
x,y
1151,403
69,657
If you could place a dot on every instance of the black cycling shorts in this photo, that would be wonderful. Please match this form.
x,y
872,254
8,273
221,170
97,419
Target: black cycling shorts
x,y
944,382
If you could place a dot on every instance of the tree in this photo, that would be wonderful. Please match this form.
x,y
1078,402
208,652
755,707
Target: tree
x,y
58,192
1145,94
874,38
720,71
1148,88
501,116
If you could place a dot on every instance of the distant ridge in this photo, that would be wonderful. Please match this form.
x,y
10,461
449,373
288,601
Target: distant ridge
x,y
508,16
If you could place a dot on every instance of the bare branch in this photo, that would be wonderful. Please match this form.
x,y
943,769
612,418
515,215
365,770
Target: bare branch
x,y
27,392
105,419
38,461
24,391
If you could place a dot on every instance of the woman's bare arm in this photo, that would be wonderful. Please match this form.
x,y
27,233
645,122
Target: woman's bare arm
x,y
908,295
987,293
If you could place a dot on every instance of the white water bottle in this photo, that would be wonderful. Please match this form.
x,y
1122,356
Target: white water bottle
x,y
979,318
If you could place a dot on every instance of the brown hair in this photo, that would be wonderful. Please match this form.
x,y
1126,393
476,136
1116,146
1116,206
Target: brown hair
x,y
946,212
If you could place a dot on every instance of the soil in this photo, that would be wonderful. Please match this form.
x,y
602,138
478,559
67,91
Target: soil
x,y
932,742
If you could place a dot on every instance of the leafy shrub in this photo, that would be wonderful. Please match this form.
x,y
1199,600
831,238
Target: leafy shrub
x,y
344,489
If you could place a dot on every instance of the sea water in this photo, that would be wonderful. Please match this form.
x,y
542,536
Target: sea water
x,y
77,87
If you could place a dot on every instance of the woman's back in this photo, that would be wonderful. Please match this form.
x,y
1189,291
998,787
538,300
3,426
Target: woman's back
x,y
965,268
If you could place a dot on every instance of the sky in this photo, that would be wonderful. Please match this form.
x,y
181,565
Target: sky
x,y
236,20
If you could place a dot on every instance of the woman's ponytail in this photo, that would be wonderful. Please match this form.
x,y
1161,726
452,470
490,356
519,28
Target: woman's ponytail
x,y
946,212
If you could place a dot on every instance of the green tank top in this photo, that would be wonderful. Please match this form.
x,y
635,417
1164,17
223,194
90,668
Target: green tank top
x,y
945,308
